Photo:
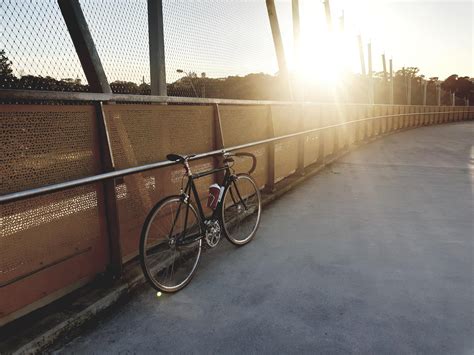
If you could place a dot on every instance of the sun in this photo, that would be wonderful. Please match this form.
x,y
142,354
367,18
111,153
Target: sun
x,y
324,62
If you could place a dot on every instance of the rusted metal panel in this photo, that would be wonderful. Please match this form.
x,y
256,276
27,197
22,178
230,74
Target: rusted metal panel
x,y
389,112
245,124
370,123
377,109
351,128
142,134
328,117
41,236
46,145
312,142
285,121
361,125
384,119
341,132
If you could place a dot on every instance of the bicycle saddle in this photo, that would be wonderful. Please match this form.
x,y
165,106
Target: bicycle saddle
x,y
180,158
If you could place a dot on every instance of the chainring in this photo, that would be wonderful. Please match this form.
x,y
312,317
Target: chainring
x,y
213,233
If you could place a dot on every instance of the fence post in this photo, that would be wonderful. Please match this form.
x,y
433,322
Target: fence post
x,y
156,47
84,44
301,141
219,140
110,201
270,187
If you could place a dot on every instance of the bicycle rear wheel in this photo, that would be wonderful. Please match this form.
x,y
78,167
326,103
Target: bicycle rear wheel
x,y
166,266
240,210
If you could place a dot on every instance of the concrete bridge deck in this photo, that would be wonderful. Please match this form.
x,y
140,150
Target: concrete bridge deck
x,y
373,255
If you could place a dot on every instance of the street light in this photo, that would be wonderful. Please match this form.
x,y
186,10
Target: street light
x,y
188,75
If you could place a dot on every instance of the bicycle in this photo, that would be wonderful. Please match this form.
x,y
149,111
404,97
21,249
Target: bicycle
x,y
173,232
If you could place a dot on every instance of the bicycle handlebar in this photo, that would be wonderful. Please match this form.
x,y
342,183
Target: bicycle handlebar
x,y
245,154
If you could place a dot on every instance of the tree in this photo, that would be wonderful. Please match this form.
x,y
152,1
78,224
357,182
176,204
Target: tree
x,y
5,66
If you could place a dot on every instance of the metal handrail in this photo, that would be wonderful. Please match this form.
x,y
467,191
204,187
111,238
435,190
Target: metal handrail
x,y
16,94
20,195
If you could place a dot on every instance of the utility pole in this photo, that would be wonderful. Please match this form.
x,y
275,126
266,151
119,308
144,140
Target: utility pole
x,y
361,55
278,43
391,82
371,81
453,99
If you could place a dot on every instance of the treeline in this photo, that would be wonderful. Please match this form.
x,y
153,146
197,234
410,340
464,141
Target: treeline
x,y
259,86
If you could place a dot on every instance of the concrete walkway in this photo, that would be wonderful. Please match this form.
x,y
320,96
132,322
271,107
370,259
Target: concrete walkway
x,y
373,255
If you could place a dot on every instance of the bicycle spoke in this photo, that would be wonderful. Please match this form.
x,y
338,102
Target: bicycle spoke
x,y
169,266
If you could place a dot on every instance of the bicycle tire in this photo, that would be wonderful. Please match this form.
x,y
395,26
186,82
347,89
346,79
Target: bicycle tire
x,y
239,221
188,256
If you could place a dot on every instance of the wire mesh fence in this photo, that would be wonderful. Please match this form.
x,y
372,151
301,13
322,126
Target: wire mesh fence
x,y
36,51
119,29
218,49
213,48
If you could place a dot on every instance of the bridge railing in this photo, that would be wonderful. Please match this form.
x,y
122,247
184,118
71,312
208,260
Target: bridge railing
x,y
79,178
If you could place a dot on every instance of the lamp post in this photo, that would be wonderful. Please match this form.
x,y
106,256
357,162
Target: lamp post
x,y
188,75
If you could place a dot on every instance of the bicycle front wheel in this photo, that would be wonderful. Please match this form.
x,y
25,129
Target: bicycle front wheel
x,y
168,266
241,209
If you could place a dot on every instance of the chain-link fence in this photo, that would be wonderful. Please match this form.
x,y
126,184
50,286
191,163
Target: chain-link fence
x,y
213,48
219,49
36,51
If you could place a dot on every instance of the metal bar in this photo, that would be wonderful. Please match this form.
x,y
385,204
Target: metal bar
x,y
219,139
157,48
371,80
270,186
84,44
15,196
361,56
110,200
31,95
301,140
327,11
391,83
278,43
298,84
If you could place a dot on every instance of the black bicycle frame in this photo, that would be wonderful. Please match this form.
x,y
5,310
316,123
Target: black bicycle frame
x,y
185,196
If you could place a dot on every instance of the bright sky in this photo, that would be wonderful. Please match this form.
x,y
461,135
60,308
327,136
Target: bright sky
x,y
232,37
436,36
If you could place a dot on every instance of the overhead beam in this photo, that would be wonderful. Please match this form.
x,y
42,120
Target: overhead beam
x,y
278,43
156,40
82,39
